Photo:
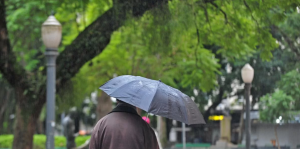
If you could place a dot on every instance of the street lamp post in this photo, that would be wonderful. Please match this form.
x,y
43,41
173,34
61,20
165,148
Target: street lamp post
x,y
247,76
51,35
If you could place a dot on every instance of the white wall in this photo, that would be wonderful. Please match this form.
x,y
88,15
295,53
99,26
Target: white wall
x,y
288,134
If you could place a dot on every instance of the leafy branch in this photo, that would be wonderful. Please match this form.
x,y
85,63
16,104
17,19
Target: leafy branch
x,y
12,71
82,49
224,13
287,39
216,6
248,7
198,39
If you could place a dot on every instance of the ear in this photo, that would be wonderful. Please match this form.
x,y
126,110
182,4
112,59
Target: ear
x,y
139,111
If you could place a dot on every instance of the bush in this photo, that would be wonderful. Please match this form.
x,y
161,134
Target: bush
x,y
6,141
81,140
39,141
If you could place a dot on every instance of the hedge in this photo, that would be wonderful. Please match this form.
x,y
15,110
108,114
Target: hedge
x,y
39,141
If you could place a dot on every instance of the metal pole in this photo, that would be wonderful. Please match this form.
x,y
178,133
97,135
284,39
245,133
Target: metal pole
x,y
183,136
51,55
248,124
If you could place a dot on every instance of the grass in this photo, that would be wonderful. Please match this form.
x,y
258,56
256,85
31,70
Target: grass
x,y
39,141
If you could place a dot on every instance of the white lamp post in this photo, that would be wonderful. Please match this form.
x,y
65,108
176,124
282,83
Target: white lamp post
x,y
51,35
247,76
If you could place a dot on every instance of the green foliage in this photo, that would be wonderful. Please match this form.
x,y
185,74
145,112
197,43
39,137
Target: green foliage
x,y
272,106
25,18
266,72
237,33
75,16
24,25
290,84
6,141
168,42
288,80
170,45
81,140
283,102
39,141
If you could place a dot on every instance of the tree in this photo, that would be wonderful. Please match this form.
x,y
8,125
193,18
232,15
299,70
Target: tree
x,y
7,102
281,105
276,105
275,108
284,96
30,90
241,22
290,84
284,101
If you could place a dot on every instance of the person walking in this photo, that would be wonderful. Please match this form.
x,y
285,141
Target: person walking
x,y
68,130
123,128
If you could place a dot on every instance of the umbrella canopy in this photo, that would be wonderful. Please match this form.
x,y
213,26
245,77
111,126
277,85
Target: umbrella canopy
x,y
154,97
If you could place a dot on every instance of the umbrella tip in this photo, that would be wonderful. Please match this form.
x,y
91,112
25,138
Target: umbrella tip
x,y
159,80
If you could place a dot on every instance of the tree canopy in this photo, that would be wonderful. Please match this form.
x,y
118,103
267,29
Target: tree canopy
x,y
159,39
178,43
284,102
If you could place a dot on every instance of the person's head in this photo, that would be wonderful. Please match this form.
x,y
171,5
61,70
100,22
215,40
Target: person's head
x,y
72,114
119,101
122,102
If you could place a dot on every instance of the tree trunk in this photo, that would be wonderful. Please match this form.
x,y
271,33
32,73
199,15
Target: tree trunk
x,y
24,130
1,124
214,105
3,107
94,39
104,105
26,119
161,128
40,127
277,140
241,126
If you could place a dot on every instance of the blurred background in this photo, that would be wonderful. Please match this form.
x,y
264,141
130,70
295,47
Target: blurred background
x,y
196,46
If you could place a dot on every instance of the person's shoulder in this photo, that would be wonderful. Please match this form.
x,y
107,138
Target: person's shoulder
x,y
146,125
101,120
108,117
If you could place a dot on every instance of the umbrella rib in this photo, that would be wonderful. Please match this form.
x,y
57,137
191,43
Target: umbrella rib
x,y
175,100
144,85
125,84
154,95
187,120
119,86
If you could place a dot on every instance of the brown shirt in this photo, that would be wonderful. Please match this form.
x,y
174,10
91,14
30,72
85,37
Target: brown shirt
x,y
123,128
